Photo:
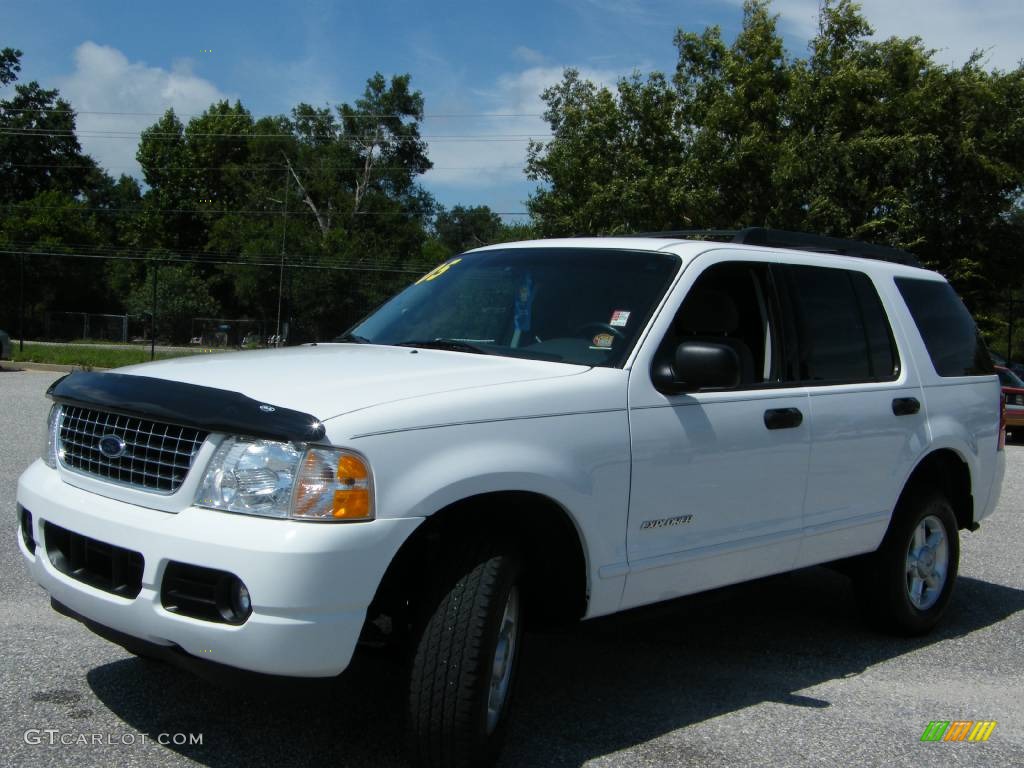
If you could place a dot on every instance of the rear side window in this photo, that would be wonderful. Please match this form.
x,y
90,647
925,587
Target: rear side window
x,y
947,328
843,332
885,363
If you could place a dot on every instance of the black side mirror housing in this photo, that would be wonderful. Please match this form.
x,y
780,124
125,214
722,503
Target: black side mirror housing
x,y
698,365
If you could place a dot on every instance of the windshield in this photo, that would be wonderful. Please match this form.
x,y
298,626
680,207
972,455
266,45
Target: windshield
x,y
572,305
1008,378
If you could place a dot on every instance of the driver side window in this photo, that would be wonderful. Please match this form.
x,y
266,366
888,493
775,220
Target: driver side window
x,y
732,304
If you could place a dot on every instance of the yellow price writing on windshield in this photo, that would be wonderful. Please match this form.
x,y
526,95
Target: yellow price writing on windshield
x,y
438,271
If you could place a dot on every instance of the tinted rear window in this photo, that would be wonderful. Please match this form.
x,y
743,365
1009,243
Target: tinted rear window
x,y
843,332
947,328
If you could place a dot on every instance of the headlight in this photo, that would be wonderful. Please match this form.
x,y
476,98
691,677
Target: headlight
x,y
52,437
273,479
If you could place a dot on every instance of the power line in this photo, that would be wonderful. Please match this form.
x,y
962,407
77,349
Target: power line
x,y
274,168
224,212
157,252
301,116
202,257
239,262
96,134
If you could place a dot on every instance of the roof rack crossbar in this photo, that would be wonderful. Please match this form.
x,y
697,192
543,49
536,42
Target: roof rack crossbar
x,y
803,241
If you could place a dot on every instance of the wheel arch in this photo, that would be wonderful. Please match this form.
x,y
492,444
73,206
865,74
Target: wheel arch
x,y
546,535
945,469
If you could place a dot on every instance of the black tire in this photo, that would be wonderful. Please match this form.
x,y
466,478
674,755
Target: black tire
x,y
450,682
884,579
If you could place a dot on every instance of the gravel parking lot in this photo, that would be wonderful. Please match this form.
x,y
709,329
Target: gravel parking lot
x,y
779,672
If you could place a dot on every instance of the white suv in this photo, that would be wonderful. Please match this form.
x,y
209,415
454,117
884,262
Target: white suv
x,y
547,430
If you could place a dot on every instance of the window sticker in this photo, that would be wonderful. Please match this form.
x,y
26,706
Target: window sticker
x,y
602,341
619,318
438,271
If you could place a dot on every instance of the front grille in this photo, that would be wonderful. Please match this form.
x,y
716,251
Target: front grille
x,y
155,456
96,563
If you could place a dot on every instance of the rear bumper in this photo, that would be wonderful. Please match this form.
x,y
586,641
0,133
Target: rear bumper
x,y
1015,416
310,583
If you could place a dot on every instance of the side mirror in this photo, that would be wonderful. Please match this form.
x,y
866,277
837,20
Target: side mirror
x,y
698,365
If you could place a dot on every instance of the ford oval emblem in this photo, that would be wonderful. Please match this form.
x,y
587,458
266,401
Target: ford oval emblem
x,y
267,408
112,446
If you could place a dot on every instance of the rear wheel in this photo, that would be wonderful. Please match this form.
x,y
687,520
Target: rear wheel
x,y
906,585
465,661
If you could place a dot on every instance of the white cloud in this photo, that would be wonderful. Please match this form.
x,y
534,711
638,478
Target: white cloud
x,y
510,115
635,11
529,55
954,27
104,80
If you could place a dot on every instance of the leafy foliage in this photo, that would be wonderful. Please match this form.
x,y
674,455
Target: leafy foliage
x,y
863,138
311,218
182,294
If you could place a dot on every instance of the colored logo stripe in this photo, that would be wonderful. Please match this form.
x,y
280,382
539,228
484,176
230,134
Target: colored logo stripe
x,y
982,730
958,730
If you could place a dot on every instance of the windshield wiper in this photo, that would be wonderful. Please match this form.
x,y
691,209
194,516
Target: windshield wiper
x,y
351,338
452,345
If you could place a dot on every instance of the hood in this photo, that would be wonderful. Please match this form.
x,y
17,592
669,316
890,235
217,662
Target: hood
x,y
329,380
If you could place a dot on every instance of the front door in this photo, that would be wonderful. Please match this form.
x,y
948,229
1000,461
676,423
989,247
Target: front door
x,y
718,477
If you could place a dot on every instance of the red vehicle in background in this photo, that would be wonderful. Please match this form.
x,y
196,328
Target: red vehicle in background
x,y
1013,391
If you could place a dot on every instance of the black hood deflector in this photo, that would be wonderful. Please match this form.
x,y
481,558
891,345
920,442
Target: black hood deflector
x,y
214,410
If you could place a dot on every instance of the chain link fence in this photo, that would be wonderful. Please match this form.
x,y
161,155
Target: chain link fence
x,y
38,301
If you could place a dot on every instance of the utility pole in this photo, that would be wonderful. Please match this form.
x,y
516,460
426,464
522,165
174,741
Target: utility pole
x,y
21,304
284,236
1009,327
152,338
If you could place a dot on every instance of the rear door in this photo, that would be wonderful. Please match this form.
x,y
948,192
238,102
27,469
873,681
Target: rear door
x,y
866,411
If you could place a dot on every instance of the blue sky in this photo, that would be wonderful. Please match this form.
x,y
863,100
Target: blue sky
x,y
484,59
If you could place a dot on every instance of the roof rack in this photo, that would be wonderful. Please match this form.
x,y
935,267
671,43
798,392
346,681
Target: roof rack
x,y
801,241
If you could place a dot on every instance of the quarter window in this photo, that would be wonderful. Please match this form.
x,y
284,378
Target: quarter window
x,y
947,328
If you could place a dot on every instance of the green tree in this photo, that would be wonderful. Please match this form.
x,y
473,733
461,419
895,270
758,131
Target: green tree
x,y
39,150
864,138
463,228
169,218
10,65
890,146
182,294
614,162
35,233
733,102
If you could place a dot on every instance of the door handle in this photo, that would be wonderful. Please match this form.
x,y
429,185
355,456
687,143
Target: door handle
x,y
905,406
783,418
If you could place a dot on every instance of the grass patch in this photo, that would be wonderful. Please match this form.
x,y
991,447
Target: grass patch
x,y
91,356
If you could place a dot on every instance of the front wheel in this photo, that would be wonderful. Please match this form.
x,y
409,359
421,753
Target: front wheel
x,y
465,660
906,585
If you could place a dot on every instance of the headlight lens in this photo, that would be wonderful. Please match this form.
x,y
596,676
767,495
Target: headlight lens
x,y
52,436
274,479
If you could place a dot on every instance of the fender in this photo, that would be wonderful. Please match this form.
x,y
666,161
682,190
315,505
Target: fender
x,y
579,461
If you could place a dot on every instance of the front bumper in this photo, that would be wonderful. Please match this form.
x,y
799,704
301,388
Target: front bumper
x,y
310,583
